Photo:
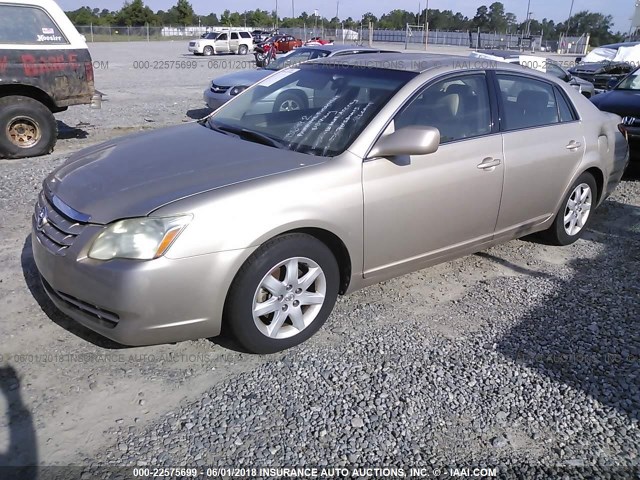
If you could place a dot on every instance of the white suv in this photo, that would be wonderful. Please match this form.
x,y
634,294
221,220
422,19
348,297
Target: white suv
x,y
228,40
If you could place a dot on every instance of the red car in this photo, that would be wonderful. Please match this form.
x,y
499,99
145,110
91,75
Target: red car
x,y
283,43
318,41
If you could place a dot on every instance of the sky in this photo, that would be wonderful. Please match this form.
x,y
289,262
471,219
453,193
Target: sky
x,y
558,10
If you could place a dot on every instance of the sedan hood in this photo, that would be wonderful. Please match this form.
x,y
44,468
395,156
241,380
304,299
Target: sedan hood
x,y
242,79
135,175
622,102
588,67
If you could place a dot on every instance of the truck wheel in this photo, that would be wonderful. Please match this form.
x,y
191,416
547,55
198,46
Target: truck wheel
x,y
207,50
27,127
243,50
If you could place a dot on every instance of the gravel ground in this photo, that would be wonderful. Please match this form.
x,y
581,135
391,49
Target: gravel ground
x,y
523,355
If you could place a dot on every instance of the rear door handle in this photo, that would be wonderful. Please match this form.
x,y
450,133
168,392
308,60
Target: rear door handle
x,y
489,163
573,145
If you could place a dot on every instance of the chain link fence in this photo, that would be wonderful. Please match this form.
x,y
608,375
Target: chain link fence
x,y
411,36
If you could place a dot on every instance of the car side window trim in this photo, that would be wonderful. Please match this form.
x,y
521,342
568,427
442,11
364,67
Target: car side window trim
x,y
560,95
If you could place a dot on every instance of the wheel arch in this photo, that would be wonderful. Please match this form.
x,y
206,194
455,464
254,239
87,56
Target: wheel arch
x,y
30,91
598,176
298,92
337,247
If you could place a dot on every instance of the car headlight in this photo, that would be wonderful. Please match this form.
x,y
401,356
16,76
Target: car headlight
x,y
236,90
138,238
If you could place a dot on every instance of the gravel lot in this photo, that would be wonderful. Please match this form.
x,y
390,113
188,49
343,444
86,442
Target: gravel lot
x,y
523,355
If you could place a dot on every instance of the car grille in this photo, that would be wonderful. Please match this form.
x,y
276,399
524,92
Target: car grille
x,y
218,88
55,230
631,121
104,317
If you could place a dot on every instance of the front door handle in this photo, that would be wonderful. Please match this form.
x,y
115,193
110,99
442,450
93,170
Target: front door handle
x,y
573,145
489,163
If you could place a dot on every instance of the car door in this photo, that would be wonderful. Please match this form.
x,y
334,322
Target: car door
x,y
234,43
222,43
543,146
422,209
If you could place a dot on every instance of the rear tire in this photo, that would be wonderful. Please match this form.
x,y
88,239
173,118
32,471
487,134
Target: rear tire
x,y
27,127
282,294
575,212
243,50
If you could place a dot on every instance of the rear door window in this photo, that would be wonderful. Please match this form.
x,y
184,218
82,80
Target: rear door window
x,y
28,25
234,36
526,102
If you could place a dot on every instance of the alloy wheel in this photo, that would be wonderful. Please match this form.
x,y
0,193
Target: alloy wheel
x,y
289,297
578,209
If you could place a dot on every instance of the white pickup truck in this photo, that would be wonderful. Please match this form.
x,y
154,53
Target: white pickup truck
x,y
237,41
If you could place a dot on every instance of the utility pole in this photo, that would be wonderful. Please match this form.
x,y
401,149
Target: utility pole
x,y
569,20
293,8
529,18
426,26
338,9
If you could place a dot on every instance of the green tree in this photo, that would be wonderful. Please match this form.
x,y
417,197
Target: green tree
x,y
184,12
597,25
135,13
369,17
481,19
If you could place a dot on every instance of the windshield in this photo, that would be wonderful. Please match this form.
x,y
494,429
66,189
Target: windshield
x,y
297,56
315,109
632,82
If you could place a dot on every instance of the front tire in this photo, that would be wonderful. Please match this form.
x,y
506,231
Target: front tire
x,y
207,51
282,294
27,127
289,101
575,213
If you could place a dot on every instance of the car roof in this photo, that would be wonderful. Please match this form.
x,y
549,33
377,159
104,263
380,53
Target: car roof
x,y
616,46
340,48
411,62
501,53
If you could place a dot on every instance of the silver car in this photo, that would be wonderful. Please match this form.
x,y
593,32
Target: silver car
x,y
252,223
224,88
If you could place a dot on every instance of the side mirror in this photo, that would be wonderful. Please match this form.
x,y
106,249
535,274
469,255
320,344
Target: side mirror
x,y
412,140
612,83
578,59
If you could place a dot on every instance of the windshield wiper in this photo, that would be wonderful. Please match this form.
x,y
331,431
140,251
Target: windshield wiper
x,y
250,135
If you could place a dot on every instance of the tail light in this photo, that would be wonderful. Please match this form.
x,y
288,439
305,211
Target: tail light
x,y
88,71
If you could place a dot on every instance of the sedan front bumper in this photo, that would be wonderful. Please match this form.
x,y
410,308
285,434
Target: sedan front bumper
x,y
138,302
215,100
